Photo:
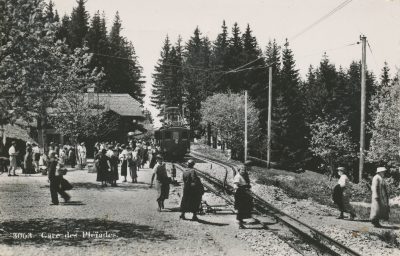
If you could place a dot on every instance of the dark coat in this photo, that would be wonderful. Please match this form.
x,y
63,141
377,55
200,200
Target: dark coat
x,y
102,167
193,191
114,160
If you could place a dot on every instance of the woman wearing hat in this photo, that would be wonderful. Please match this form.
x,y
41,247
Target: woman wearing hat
x,y
162,181
193,191
344,198
380,200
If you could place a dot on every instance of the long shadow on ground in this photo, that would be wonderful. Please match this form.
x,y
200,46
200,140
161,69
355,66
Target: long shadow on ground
x,y
90,185
83,232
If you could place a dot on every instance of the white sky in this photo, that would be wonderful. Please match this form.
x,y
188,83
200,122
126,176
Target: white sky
x,y
147,22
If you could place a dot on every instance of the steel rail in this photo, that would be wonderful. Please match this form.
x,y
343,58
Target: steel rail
x,y
315,237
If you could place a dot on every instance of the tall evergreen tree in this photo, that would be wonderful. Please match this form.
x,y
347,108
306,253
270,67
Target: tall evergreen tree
x,y
79,25
196,81
160,76
235,59
62,32
220,57
97,42
123,72
292,143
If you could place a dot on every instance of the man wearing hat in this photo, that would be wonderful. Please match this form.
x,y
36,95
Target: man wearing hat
x,y
13,158
380,200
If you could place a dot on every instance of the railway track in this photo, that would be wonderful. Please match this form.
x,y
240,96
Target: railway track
x,y
303,238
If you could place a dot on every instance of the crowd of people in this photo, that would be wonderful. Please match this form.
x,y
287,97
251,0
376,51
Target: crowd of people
x,y
132,157
113,160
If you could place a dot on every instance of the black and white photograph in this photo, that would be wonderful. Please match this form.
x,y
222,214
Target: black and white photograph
x,y
199,127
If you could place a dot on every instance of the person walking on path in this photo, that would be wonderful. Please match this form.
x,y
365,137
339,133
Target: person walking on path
x,y
380,200
124,159
243,200
55,178
102,167
13,153
193,191
162,182
344,194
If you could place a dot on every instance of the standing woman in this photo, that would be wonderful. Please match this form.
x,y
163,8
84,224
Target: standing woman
x,y
162,182
243,200
102,167
344,184
114,161
124,159
28,161
380,200
193,191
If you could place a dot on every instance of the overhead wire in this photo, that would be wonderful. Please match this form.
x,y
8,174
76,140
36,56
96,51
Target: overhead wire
x,y
330,13
333,11
373,56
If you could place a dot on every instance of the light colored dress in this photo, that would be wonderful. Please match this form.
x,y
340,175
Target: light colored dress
x,y
380,200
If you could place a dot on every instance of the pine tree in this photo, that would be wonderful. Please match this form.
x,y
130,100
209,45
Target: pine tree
x,y
235,59
196,81
62,32
220,57
97,42
294,131
78,26
123,72
160,76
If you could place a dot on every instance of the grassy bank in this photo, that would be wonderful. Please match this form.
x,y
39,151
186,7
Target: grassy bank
x,y
309,185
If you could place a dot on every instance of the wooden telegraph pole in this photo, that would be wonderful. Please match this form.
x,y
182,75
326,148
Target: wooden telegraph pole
x,y
245,125
269,117
363,99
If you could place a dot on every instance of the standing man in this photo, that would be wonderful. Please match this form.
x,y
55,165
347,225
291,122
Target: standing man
x,y
82,154
193,191
13,158
55,180
380,200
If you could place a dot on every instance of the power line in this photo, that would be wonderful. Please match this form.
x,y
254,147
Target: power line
x,y
337,8
333,11
373,56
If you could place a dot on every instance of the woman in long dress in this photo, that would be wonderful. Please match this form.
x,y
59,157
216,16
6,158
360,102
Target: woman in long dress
x,y
162,182
344,203
380,200
192,192
243,200
102,167
124,165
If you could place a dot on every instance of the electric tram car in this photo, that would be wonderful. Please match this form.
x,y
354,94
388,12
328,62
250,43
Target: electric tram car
x,y
173,137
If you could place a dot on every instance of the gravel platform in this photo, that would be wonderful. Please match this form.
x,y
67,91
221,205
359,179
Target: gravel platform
x,y
119,220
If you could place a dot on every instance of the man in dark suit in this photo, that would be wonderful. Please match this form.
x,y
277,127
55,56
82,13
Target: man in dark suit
x,y
55,180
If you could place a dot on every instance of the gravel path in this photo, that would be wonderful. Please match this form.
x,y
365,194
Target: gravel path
x,y
117,221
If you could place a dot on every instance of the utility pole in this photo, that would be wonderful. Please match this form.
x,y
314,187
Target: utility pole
x,y
269,117
245,126
363,99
